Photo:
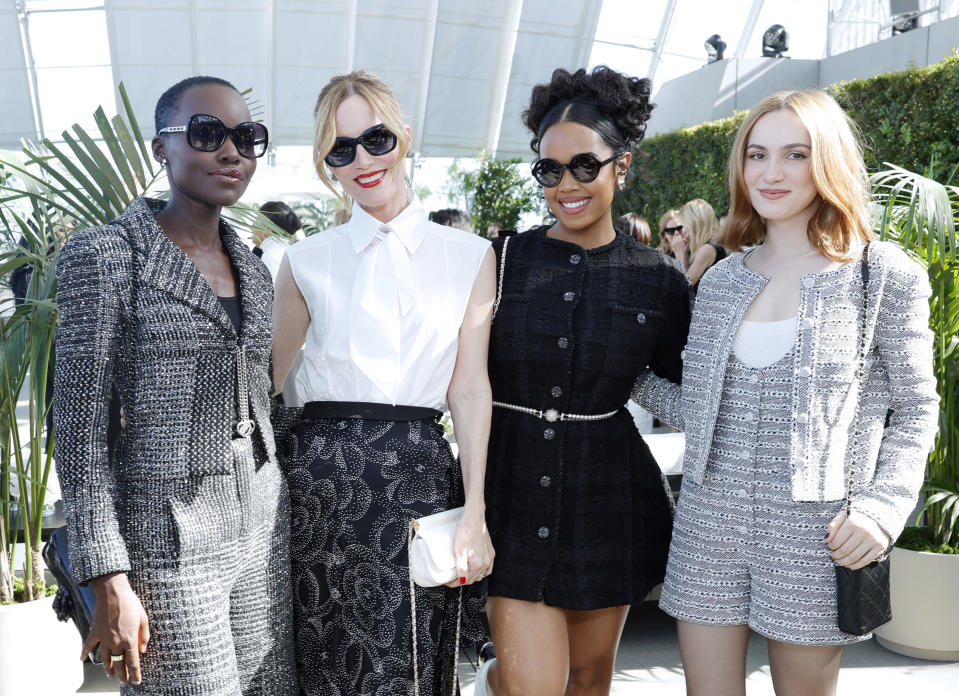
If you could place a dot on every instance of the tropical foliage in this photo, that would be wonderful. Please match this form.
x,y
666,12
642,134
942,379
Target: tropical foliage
x,y
922,216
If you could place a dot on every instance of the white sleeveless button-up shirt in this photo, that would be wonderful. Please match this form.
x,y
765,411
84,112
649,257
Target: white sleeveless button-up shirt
x,y
386,302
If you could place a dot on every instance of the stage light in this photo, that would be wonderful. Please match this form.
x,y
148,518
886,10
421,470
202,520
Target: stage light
x,y
901,26
775,41
715,48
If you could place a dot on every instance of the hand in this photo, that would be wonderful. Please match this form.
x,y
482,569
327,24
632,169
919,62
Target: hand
x,y
855,541
473,549
120,626
679,245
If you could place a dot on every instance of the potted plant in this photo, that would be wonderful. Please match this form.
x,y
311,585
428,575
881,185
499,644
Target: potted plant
x,y
45,191
921,215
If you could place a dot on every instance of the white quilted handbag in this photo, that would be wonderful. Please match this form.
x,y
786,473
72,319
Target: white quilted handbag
x,y
432,561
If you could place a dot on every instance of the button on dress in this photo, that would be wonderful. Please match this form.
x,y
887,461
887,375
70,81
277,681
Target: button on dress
x,y
579,512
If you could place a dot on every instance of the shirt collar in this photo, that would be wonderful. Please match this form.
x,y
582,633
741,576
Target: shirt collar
x,y
409,226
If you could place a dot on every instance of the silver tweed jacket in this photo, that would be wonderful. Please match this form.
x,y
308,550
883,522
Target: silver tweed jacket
x,y
898,379
135,311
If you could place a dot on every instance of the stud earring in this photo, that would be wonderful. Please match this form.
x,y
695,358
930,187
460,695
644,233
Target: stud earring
x,y
163,161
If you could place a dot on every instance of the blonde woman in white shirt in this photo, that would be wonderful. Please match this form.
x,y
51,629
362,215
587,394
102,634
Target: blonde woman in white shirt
x,y
395,314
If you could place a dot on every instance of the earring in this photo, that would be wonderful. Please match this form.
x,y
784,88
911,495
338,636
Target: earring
x,y
621,183
163,161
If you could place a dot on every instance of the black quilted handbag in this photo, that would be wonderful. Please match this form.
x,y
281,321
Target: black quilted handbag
x,y
862,596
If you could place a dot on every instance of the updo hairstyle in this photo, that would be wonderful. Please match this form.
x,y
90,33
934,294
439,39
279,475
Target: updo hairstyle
x,y
614,105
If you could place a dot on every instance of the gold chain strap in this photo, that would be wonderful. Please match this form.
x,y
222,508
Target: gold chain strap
x,y
499,284
459,619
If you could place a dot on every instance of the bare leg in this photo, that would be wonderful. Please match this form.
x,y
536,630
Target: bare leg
x,y
532,648
593,640
804,670
714,658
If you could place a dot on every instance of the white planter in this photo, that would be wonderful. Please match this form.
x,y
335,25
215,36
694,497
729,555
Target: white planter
x,y
925,606
38,654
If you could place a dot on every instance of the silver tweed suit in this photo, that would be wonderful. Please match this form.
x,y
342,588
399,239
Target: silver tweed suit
x,y
193,507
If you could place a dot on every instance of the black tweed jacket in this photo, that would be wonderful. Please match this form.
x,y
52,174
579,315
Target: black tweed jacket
x,y
136,312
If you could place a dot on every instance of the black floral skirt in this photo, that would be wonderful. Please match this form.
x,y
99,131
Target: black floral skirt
x,y
354,486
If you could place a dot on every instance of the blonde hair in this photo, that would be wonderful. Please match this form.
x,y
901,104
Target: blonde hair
x,y
699,219
384,104
841,220
663,243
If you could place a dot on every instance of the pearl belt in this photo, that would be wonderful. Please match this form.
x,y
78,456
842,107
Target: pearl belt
x,y
551,415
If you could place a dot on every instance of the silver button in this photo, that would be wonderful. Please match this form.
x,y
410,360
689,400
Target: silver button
x,y
546,482
549,434
808,281
551,415
569,296
563,342
802,418
754,379
805,371
807,323
748,415
743,530
641,318
543,532
556,392
575,259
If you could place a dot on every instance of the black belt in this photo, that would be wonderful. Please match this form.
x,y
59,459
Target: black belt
x,y
322,410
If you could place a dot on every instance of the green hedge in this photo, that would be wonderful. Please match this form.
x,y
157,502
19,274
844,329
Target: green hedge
x,y
909,118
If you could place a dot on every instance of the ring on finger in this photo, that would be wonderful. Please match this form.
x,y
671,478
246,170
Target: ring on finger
x,y
116,658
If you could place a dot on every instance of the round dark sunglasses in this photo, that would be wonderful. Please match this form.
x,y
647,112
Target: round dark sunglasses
x,y
584,167
208,133
377,140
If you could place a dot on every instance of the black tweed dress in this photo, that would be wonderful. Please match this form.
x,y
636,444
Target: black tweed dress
x,y
578,512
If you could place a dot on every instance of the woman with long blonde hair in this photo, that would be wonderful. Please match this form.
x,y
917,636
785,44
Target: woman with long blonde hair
x,y
395,312
701,250
777,419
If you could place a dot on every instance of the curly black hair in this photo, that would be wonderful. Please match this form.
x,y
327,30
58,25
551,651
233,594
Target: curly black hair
x,y
614,105
169,101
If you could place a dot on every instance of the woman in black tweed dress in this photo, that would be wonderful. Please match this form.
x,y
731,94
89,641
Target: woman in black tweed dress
x,y
576,506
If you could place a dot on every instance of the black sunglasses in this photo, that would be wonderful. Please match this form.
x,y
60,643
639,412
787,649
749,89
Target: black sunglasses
x,y
376,140
584,167
673,230
208,133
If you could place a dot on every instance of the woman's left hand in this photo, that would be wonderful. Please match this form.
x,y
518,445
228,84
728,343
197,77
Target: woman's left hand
x,y
856,541
473,549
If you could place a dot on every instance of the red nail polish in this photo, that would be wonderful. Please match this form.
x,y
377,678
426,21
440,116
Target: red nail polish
x,y
462,580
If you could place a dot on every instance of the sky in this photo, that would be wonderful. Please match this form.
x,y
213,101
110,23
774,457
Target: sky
x,y
74,76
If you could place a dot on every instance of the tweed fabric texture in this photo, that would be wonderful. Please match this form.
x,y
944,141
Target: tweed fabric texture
x,y
355,485
578,512
196,518
743,552
898,379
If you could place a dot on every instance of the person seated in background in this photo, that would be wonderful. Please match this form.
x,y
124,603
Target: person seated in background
x,y
451,217
634,226
697,248
271,247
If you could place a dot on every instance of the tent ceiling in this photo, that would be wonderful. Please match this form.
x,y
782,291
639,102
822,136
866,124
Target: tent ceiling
x,y
462,70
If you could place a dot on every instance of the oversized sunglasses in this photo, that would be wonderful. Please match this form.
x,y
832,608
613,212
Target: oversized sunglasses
x,y
377,140
208,133
584,167
673,230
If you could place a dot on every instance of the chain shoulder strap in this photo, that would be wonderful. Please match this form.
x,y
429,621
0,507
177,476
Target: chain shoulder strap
x,y
499,280
858,379
459,619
